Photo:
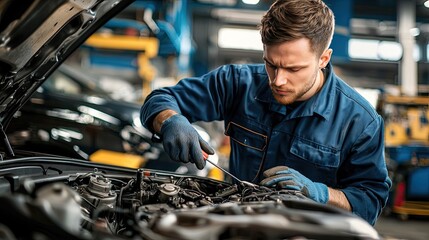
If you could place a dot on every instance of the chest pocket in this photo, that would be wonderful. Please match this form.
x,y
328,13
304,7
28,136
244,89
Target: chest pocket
x,y
315,153
246,137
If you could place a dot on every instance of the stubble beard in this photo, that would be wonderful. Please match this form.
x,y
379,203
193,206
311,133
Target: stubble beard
x,y
294,96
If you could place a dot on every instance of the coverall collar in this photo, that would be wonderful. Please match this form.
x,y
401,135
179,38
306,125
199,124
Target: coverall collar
x,y
319,104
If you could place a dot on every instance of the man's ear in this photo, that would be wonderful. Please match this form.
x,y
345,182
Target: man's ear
x,y
325,58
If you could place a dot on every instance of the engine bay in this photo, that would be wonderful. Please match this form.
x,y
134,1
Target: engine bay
x,y
153,205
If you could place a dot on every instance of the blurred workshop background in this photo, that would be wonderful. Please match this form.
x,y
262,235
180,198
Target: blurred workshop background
x,y
380,48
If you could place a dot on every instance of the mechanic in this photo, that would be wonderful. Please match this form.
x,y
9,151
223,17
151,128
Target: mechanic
x,y
292,122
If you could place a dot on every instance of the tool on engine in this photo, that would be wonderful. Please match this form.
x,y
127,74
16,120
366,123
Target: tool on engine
x,y
206,157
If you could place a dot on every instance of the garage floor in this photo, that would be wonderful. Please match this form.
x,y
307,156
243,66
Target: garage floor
x,y
392,228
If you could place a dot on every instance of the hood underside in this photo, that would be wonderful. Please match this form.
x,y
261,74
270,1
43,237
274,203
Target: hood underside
x,y
36,36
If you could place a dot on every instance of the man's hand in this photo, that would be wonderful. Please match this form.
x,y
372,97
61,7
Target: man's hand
x,y
182,142
288,178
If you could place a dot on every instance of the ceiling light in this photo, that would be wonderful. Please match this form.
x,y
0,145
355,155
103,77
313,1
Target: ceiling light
x,y
427,4
415,32
238,38
253,2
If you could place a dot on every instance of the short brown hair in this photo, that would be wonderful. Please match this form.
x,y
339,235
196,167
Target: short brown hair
x,y
288,20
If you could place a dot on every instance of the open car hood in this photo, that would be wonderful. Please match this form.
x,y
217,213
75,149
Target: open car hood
x,y
36,36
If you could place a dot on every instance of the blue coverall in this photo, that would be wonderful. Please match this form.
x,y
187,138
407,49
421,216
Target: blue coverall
x,y
336,137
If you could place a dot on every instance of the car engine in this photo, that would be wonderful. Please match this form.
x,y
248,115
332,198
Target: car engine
x,y
157,205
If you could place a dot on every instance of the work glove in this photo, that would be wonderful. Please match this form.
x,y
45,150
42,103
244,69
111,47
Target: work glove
x,y
182,142
288,178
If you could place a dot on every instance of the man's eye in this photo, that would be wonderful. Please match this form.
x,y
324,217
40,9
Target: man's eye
x,y
271,66
295,69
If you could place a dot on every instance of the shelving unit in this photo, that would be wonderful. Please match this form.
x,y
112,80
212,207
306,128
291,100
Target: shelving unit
x,y
407,153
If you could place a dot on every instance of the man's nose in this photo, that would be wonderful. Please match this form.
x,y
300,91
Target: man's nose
x,y
280,77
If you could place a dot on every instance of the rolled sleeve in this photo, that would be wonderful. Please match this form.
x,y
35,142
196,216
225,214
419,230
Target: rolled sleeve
x,y
155,103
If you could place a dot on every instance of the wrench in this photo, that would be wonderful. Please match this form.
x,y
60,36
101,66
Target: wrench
x,y
206,157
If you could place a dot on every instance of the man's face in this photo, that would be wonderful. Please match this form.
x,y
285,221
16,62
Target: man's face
x,y
294,70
